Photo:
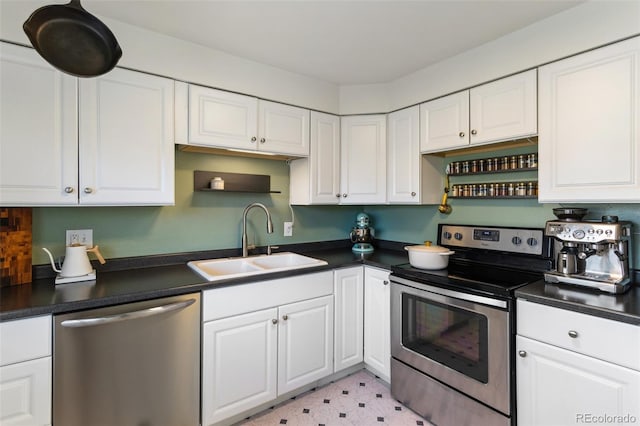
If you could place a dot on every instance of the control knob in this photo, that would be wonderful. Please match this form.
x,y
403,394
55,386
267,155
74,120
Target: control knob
x,y
457,236
516,241
532,242
446,235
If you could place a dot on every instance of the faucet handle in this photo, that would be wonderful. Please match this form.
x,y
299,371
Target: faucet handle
x,y
270,248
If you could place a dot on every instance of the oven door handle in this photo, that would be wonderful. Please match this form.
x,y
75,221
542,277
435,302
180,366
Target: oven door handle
x,y
451,293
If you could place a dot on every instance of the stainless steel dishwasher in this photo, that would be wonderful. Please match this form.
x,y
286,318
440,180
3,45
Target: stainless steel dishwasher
x,y
136,364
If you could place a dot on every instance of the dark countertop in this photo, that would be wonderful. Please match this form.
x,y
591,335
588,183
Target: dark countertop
x,y
139,281
622,307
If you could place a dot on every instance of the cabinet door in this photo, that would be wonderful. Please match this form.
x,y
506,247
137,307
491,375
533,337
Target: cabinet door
x,y
560,387
504,109
324,158
403,156
222,119
283,129
444,123
38,131
25,393
126,139
589,139
363,170
316,179
377,322
305,342
349,317
238,364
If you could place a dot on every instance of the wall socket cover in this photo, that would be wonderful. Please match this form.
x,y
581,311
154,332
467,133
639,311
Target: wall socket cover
x,y
288,229
80,236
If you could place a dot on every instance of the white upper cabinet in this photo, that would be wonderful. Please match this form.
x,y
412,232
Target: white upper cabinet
x,y
98,141
363,176
444,123
316,179
38,131
126,139
411,177
502,110
589,139
219,119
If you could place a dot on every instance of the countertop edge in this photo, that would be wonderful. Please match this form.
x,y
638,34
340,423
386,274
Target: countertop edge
x,y
535,292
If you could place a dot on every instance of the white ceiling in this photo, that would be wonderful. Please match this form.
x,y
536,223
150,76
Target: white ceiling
x,y
344,42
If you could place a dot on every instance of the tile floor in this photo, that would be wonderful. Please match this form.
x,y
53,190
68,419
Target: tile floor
x,y
359,399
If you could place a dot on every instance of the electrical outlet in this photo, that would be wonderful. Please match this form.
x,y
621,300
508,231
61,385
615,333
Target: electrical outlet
x,y
288,229
80,236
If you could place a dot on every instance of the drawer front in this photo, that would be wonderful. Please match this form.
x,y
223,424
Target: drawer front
x,y
600,338
239,299
25,339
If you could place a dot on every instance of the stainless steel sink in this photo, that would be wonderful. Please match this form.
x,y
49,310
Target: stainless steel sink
x,y
237,267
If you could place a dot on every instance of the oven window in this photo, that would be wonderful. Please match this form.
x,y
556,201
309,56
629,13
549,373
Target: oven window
x,y
451,336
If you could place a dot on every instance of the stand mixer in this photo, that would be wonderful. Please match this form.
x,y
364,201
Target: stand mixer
x,y
362,234
590,253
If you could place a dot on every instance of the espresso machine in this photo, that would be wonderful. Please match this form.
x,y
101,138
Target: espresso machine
x,y
592,254
362,234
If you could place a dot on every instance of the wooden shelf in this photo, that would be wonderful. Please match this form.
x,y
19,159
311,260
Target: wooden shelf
x,y
233,182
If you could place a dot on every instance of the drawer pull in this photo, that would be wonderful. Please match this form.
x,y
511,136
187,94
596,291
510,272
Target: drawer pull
x,y
573,334
274,321
522,353
285,317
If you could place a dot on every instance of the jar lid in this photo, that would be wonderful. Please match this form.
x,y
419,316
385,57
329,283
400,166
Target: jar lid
x,y
427,249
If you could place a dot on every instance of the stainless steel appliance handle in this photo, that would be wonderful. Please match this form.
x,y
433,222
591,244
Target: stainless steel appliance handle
x,y
451,293
156,310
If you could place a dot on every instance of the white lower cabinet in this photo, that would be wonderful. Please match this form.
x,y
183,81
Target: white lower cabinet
x,y
349,317
25,372
284,342
574,368
377,322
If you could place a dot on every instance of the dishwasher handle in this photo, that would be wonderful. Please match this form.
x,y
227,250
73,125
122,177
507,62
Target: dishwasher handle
x,y
143,313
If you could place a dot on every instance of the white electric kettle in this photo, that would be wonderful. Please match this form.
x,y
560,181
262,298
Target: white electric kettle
x,y
76,261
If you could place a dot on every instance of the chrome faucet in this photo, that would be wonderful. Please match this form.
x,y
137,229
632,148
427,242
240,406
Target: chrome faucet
x,y
245,248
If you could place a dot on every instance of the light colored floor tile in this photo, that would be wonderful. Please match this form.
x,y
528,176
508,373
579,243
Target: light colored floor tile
x,y
356,400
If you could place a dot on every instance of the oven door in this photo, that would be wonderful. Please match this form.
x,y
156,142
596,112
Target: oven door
x,y
460,339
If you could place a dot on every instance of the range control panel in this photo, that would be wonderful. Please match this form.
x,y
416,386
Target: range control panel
x,y
588,232
513,240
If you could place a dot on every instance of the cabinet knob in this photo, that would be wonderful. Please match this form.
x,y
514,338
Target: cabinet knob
x,y
68,189
253,139
461,134
262,140
573,334
285,317
413,194
88,190
274,321
474,132
385,282
337,195
344,195
522,353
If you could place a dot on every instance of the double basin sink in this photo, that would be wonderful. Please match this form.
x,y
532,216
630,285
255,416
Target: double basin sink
x,y
238,267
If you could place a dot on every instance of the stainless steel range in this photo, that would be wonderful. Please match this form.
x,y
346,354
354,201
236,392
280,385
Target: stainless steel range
x,y
453,330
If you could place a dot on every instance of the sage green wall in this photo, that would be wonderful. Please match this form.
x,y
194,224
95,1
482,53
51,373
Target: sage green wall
x,y
198,221
205,221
